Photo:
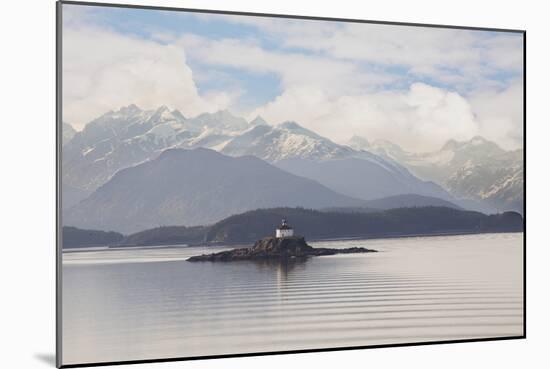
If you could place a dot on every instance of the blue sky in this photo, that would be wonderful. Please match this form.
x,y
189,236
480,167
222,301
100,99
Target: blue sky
x,y
145,23
273,66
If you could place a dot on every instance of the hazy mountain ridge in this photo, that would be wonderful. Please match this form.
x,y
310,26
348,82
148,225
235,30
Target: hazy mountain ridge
x,y
195,187
364,179
76,237
409,201
477,169
170,235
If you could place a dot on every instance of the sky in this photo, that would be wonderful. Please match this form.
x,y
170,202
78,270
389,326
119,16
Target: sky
x,y
415,86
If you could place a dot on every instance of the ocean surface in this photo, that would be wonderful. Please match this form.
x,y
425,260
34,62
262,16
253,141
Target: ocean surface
x,y
149,303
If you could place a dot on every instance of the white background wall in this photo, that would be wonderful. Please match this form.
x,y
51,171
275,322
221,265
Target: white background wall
x,y
27,135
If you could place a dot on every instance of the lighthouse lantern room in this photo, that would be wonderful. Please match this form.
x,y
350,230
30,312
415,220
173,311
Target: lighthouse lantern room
x,y
284,230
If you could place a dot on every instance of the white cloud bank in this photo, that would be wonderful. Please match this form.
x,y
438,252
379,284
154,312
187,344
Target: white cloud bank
x,y
104,70
419,119
326,88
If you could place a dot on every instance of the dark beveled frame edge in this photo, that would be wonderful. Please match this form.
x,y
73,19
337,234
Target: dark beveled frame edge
x,y
59,233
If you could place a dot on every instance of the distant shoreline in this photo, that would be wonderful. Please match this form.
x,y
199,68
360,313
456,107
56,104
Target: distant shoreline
x,y
315,225
413,235
233,244
360,238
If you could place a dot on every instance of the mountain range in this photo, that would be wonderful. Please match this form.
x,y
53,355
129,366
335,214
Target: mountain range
x,y
130,136
132,169
474,170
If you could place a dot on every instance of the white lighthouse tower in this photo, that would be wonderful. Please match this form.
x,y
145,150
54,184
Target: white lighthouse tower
x,y
284,230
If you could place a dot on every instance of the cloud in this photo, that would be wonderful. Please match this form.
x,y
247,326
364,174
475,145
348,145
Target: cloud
x,y
421,118
500,114
416,86
103,70
293,69
468,60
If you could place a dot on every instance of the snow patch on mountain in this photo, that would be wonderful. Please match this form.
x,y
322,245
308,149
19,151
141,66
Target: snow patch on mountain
x,y
284,141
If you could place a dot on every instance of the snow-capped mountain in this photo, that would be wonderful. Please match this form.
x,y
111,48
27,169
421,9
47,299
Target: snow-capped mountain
x,y
67,133
355,173
477,169
116,140
284,141
130,136
220,122
258,121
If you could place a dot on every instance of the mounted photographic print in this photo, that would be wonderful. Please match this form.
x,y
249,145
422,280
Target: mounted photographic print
x,y
238,184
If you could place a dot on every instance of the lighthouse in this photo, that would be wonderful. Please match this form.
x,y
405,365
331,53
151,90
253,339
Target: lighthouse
x,y
284,230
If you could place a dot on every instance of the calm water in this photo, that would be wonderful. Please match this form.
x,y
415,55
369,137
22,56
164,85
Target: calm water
x,y
150,303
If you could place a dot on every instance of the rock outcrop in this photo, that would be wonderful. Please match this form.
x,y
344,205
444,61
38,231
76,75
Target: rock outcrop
x,y
276,248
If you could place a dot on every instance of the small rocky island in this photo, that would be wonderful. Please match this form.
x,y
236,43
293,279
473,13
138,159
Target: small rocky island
x,y
283,246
